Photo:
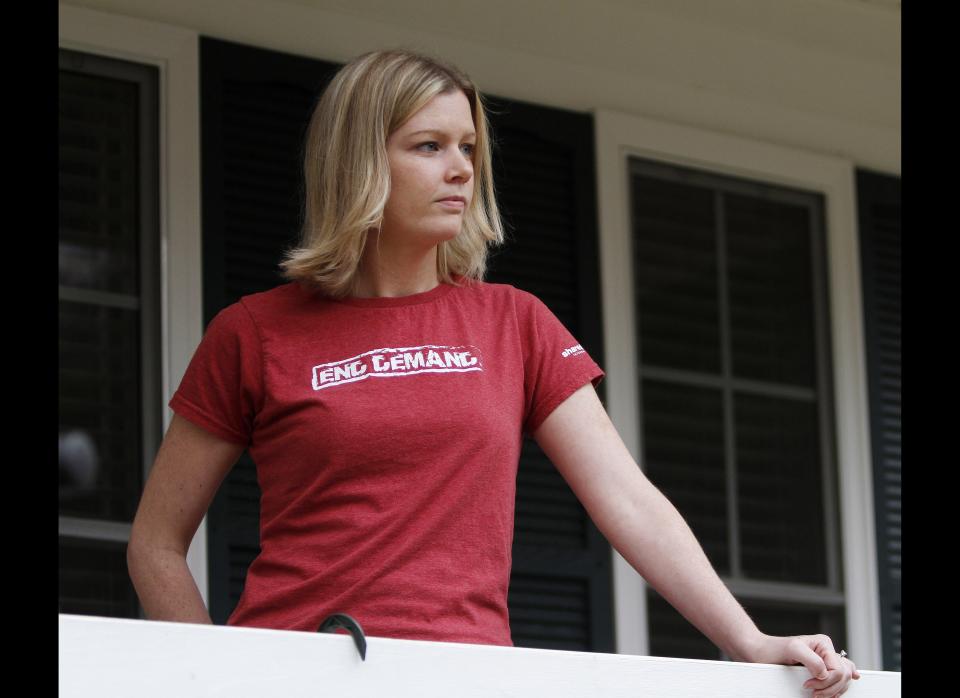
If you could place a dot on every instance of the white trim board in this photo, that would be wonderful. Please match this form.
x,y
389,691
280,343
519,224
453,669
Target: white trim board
x,y
619,136
105,657
174,51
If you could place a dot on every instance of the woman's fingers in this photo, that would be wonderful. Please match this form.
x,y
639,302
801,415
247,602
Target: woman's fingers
x,y
837,682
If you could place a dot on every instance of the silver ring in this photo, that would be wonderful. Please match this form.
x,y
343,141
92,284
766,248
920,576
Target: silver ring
x,y
843,653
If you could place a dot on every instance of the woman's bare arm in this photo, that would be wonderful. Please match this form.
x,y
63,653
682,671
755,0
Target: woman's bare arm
x,y
190,466
650,533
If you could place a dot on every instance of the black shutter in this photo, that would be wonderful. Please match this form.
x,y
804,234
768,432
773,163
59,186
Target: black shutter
x,y
561,585
256,105
878,198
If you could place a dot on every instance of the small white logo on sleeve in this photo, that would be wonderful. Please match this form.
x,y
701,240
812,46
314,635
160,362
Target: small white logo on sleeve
x,y
572,351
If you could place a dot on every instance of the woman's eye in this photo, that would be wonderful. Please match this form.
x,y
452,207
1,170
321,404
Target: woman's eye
x,y
431,145
468,149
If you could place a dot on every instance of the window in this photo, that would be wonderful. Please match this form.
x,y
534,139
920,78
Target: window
x,y
735,392
109,394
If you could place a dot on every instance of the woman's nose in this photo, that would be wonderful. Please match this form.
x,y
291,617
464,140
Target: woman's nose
x,y
461,166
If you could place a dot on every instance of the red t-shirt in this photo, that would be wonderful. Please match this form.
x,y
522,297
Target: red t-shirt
x,y
386,434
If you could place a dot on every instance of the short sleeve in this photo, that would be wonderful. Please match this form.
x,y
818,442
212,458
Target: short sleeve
x,y
222,388
555,365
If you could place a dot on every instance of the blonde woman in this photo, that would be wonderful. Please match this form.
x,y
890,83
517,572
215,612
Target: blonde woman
x,y
384,391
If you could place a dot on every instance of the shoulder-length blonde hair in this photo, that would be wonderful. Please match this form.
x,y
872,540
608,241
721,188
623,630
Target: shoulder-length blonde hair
x,y
347,173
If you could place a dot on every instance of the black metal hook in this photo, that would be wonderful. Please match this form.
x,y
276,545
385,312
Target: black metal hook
x,y
342,621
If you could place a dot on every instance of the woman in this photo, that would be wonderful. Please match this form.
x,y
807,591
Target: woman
x,y
384,391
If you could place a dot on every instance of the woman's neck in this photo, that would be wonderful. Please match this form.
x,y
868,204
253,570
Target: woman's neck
x,y
395,273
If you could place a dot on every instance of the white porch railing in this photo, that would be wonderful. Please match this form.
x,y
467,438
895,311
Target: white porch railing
x,y
105,657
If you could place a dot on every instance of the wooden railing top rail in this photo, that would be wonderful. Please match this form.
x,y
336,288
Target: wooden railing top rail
x,y
105,657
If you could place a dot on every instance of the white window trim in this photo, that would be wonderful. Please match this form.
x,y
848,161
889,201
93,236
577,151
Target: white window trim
x,y
620,136
174,51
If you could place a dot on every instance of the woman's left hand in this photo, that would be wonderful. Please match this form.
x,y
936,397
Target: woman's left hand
x,y
831,672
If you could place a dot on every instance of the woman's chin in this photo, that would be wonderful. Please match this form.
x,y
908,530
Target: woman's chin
x,y
445,235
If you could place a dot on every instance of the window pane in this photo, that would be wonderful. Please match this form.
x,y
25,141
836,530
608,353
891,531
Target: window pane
x,y
771,290
784,619
94,580
100,411
99,183
672,635
684,458
780,490
675,272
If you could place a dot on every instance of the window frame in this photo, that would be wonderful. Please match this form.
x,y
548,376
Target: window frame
x,y
827,597
145,298
621,137
174,52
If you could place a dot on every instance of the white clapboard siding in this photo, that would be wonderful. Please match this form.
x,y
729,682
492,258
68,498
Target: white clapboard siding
x,y
105,657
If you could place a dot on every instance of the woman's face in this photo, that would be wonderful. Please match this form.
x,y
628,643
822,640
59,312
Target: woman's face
x,y
431,160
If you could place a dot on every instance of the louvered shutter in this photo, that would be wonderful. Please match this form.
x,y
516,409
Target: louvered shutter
x,y
560,589
878,198
255,106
